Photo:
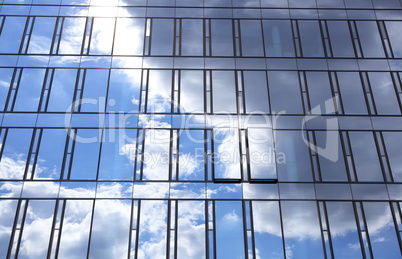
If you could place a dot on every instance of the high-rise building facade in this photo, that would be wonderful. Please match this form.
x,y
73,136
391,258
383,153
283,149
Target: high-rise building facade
x,y
200,129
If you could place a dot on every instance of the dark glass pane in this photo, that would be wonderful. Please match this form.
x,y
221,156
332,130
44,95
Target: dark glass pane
x,y
6,75
94,92
384,95
72,35
42,35
129,36
351,91
320,92
76,227
117,154
381,229
29,90
191,91
341,42
330,3
62,90
192,37
224,92
267,229
284,92
256,91
191,155
278,39
358,4
159,91
393,145
162,37
86,154
110,229
292,156
301,229
310,37
152,229
124,90
365,156
344,234
229,229
221,38
394,30
51,153
332,165
251,38
261,154
15,153
11,34
370,39
302,4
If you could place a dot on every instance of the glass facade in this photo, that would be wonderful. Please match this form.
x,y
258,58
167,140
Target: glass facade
x,y
200,129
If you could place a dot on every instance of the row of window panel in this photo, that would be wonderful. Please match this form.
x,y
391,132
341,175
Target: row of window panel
x,y
198,37
197,91
255,154
224,3
161,228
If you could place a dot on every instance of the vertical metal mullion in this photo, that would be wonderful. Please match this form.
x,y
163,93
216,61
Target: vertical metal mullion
x,y
17,86
368,93
36,152
142,153
60,228
296,36
176,228
206,219
282,232
90,227
31,147
214,226
72,153
25,39
14,228
245,239
49,250
49,89
381,153
395,211
2,21
325,39
335,85
102,136
324,205
384,39
252,229
21,228
137,232
114,37
3,138
248,159
168,226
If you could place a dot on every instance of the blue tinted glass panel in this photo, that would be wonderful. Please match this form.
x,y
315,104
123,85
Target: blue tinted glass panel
x,y
256,91
370,39
341,42
352,94
162,37
191,155
192,37
94,92
278,39
223,92
11,34
385,100
394,30
42,35
62,90
221,38
311,40
320,93
251,38
159,91
191,91
6,75
72,35
29,90
129,36
393,145
8,208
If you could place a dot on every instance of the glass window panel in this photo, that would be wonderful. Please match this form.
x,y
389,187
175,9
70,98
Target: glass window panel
x,y
191,229
6,75
330,3
224,92
358,4
191,91
229,229
110,229
192,37
284,92
117,154
191,155
159,91
302,4
221,37
394,30
310,37
156,155
381,229
274,3
341,42
42,35
365,156
94,92
226,154
293,159
278,38
343,229
62,90
320,92
37,227
384,95
393,144
86,154
124,90
75,229
331,169
256,91
72,35
370,39
51,153
11,34
129,36
301,229
152,229
102,36
351,91
251,38
8,209
15,153
261,154
162,37
267,229
29,90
